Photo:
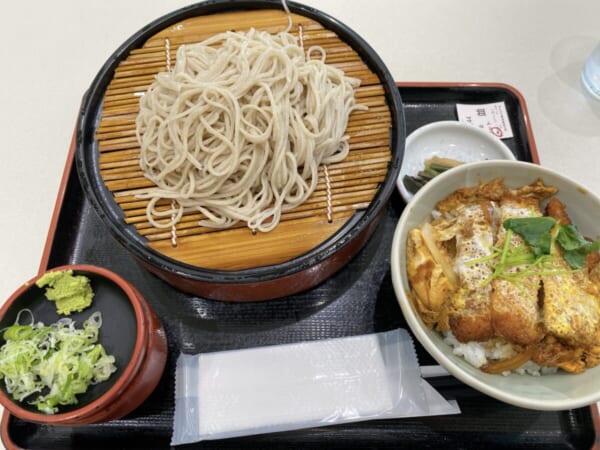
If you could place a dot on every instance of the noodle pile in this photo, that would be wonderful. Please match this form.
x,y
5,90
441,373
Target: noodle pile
x,y
238,129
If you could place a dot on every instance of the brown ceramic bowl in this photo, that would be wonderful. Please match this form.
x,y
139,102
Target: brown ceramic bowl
x,y
130,332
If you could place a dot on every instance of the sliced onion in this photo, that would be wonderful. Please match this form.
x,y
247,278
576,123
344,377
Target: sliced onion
x,y
440,258
508,364
49,366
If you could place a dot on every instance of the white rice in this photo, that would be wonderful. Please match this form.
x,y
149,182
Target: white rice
x,y
479,353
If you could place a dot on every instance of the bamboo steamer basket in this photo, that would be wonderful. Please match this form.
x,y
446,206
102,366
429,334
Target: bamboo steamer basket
x,y
312,241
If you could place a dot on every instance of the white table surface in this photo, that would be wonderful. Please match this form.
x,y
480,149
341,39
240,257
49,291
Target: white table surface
x,y
51,51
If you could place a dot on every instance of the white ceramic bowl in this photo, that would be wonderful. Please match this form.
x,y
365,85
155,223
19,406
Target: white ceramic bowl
x,y
548,392
448,139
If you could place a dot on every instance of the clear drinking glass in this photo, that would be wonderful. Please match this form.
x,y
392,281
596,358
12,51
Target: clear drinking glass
x,y
590,75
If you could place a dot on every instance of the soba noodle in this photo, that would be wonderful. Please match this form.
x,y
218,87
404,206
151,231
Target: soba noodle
x,y
238,129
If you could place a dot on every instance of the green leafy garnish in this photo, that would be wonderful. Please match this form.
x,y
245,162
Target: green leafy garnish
x,y
502,260
535,231
535,256
575,247
541,232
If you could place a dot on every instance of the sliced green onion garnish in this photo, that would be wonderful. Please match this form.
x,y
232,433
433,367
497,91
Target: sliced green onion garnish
x,y
48,366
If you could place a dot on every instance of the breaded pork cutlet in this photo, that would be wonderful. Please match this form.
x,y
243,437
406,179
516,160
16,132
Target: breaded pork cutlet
x,y
516,313
571,303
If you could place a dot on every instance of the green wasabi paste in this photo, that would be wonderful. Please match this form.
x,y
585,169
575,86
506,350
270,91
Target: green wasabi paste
x,y
70,293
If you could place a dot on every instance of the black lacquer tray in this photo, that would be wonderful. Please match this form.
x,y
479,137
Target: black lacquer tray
x,y
358,299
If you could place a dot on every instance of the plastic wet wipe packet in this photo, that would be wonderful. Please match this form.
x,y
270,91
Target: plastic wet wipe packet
x,y
302,385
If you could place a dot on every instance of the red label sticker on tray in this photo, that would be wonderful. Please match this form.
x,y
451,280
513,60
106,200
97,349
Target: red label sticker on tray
x,y
491,117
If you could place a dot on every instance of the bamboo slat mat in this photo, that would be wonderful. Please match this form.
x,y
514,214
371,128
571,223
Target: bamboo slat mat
x,y
353,182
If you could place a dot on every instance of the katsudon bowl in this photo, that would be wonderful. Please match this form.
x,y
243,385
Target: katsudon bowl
x,y
553,391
